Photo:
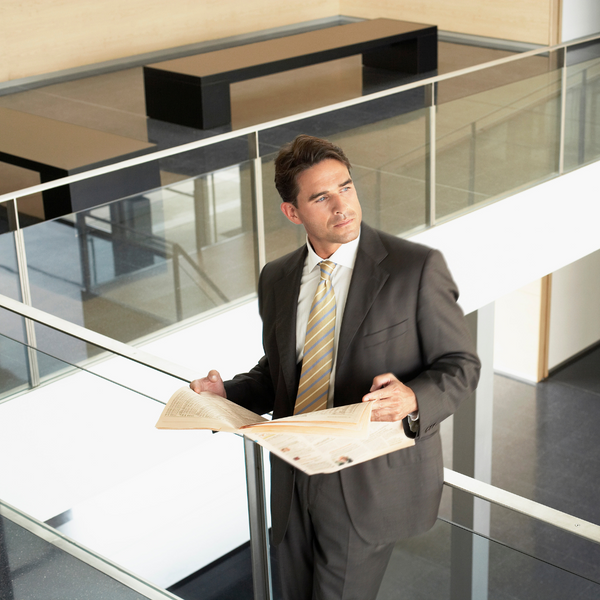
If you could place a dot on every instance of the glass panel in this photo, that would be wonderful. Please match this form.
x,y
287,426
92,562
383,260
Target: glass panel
x,y
14,364
163,504
497,130
9,272
30,208
541,540
452,562
385,142
34,568
138,265
14,373
582,121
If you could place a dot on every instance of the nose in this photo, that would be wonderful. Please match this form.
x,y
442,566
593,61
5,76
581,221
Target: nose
x,y
340,205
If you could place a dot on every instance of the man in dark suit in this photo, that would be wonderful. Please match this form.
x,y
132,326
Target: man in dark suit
x,y
400,341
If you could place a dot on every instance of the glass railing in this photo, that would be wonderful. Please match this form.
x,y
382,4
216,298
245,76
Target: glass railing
x,y
582,143
422,153
454,563
86,459
151,509
38,562
107,412
528,528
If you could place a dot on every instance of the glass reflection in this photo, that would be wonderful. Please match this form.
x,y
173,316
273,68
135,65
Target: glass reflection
x,y
455,563
87,460
500,138
135,266
582,119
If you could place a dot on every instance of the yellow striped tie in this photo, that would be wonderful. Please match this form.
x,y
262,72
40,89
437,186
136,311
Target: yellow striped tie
x,y
318,346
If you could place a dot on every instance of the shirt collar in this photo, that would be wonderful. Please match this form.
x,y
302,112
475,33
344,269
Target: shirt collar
x,y
345,255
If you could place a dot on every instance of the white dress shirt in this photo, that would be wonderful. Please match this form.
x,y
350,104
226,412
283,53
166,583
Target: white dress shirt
x,y
344,258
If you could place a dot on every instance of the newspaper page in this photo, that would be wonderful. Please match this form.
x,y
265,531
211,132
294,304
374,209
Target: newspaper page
x,y
351,420
317,442
188,410
323,454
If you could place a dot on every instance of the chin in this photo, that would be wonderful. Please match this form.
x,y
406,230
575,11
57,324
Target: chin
x,y
348,236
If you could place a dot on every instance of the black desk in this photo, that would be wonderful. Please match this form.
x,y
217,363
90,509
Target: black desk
x,y
194,90
56,149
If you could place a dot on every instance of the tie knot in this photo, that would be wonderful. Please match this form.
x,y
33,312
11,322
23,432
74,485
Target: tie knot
x,y
327,268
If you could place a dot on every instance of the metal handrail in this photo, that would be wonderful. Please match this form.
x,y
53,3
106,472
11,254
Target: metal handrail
x,y
530,508
290,119
97,339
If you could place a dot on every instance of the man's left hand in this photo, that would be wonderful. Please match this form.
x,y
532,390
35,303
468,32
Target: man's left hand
x,y
394,400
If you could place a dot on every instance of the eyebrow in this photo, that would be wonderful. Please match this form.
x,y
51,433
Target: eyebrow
x,y
319,194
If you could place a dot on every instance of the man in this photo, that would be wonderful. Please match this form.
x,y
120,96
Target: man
x,y
399,340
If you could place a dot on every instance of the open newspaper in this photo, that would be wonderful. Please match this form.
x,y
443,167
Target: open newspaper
x,y
323,441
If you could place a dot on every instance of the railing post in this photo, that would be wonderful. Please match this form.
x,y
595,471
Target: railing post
x,y
582,116
84,251
563,111
30,340
472,456
258,213
257,513
177,285
472,163
430,133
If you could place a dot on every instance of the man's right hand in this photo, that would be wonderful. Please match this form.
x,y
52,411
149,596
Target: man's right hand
x,y
211,383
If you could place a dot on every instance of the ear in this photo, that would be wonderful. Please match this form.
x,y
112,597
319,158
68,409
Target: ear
x,y
290,211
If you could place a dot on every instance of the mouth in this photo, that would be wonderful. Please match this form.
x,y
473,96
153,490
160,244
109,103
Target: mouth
x,y
344,222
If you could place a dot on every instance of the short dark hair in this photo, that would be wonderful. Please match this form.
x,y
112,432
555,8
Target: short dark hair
x,y
297,156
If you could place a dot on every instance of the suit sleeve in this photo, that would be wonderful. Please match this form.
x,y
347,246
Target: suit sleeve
x,y
446,346
253,390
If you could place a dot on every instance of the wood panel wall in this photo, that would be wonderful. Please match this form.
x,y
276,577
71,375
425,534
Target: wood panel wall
x,y
44,36
533,21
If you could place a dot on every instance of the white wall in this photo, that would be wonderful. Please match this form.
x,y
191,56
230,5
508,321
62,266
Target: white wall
x,y
575,309
580,18
517,332
506,245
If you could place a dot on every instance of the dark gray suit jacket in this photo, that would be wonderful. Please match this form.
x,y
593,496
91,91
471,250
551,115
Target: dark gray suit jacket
x,y
400,317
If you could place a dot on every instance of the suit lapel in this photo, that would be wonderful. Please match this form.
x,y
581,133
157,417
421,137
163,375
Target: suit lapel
x,y
286,293
367,280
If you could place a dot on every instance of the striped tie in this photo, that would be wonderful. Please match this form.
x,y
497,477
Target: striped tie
x,y
318,346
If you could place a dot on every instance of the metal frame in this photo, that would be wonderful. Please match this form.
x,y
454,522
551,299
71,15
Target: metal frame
x,y
25,289
257,513
258,210
430,154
